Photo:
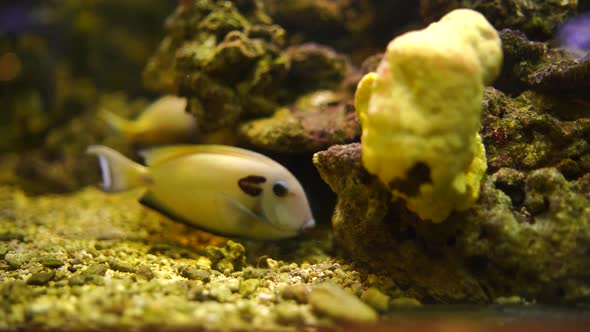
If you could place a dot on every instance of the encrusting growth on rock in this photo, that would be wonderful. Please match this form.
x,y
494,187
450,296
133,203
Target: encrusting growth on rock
x,y
420,113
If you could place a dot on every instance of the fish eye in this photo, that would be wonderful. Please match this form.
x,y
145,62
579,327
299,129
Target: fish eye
x,y
280,189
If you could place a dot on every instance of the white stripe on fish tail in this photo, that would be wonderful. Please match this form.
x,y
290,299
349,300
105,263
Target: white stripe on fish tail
x,y
118,172
105,172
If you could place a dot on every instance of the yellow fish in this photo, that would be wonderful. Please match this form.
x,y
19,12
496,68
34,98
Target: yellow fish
x,y
221,189
165,121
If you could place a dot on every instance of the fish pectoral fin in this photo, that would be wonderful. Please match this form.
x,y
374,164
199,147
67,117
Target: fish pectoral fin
x,y
241,211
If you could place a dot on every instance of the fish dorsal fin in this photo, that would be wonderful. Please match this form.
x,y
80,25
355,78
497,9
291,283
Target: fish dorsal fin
x,y
156,156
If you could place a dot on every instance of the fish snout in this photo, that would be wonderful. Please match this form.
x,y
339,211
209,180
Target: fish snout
x,y
308,225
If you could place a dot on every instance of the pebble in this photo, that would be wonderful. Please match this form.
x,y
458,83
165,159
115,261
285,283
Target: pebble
x,y
41,278
233,284
94,275
121,266
145,272
220,293
249,286
510,300
51,262
332,301
257,273
3,250
225,266
405,302
9,236
373,297
299,293
15,260
288,313
192,273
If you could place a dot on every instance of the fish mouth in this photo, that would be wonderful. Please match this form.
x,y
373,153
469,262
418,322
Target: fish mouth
x,y
309,224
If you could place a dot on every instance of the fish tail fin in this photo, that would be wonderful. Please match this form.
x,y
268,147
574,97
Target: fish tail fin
x,y
117,123
118,172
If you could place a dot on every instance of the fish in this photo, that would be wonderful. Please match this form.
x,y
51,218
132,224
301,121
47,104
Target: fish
x,y
165,121
221,189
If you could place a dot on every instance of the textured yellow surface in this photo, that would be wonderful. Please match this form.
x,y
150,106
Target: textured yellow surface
x,y
420,113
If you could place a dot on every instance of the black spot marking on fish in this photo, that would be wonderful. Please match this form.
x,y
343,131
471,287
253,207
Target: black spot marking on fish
x,y
280,189
251,184
415,177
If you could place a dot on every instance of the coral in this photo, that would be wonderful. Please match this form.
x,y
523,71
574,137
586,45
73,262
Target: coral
x,y
527,235
537,18
420,113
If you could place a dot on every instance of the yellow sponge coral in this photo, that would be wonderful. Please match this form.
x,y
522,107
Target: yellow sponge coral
x,y
420,113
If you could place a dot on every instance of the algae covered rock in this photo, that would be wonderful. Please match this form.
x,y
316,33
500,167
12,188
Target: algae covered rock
x,y
518,238
420,113
223,56
541,67
537,18
567,77
350,26
534,130
232,64
303,130
521,59
513,241
228,59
